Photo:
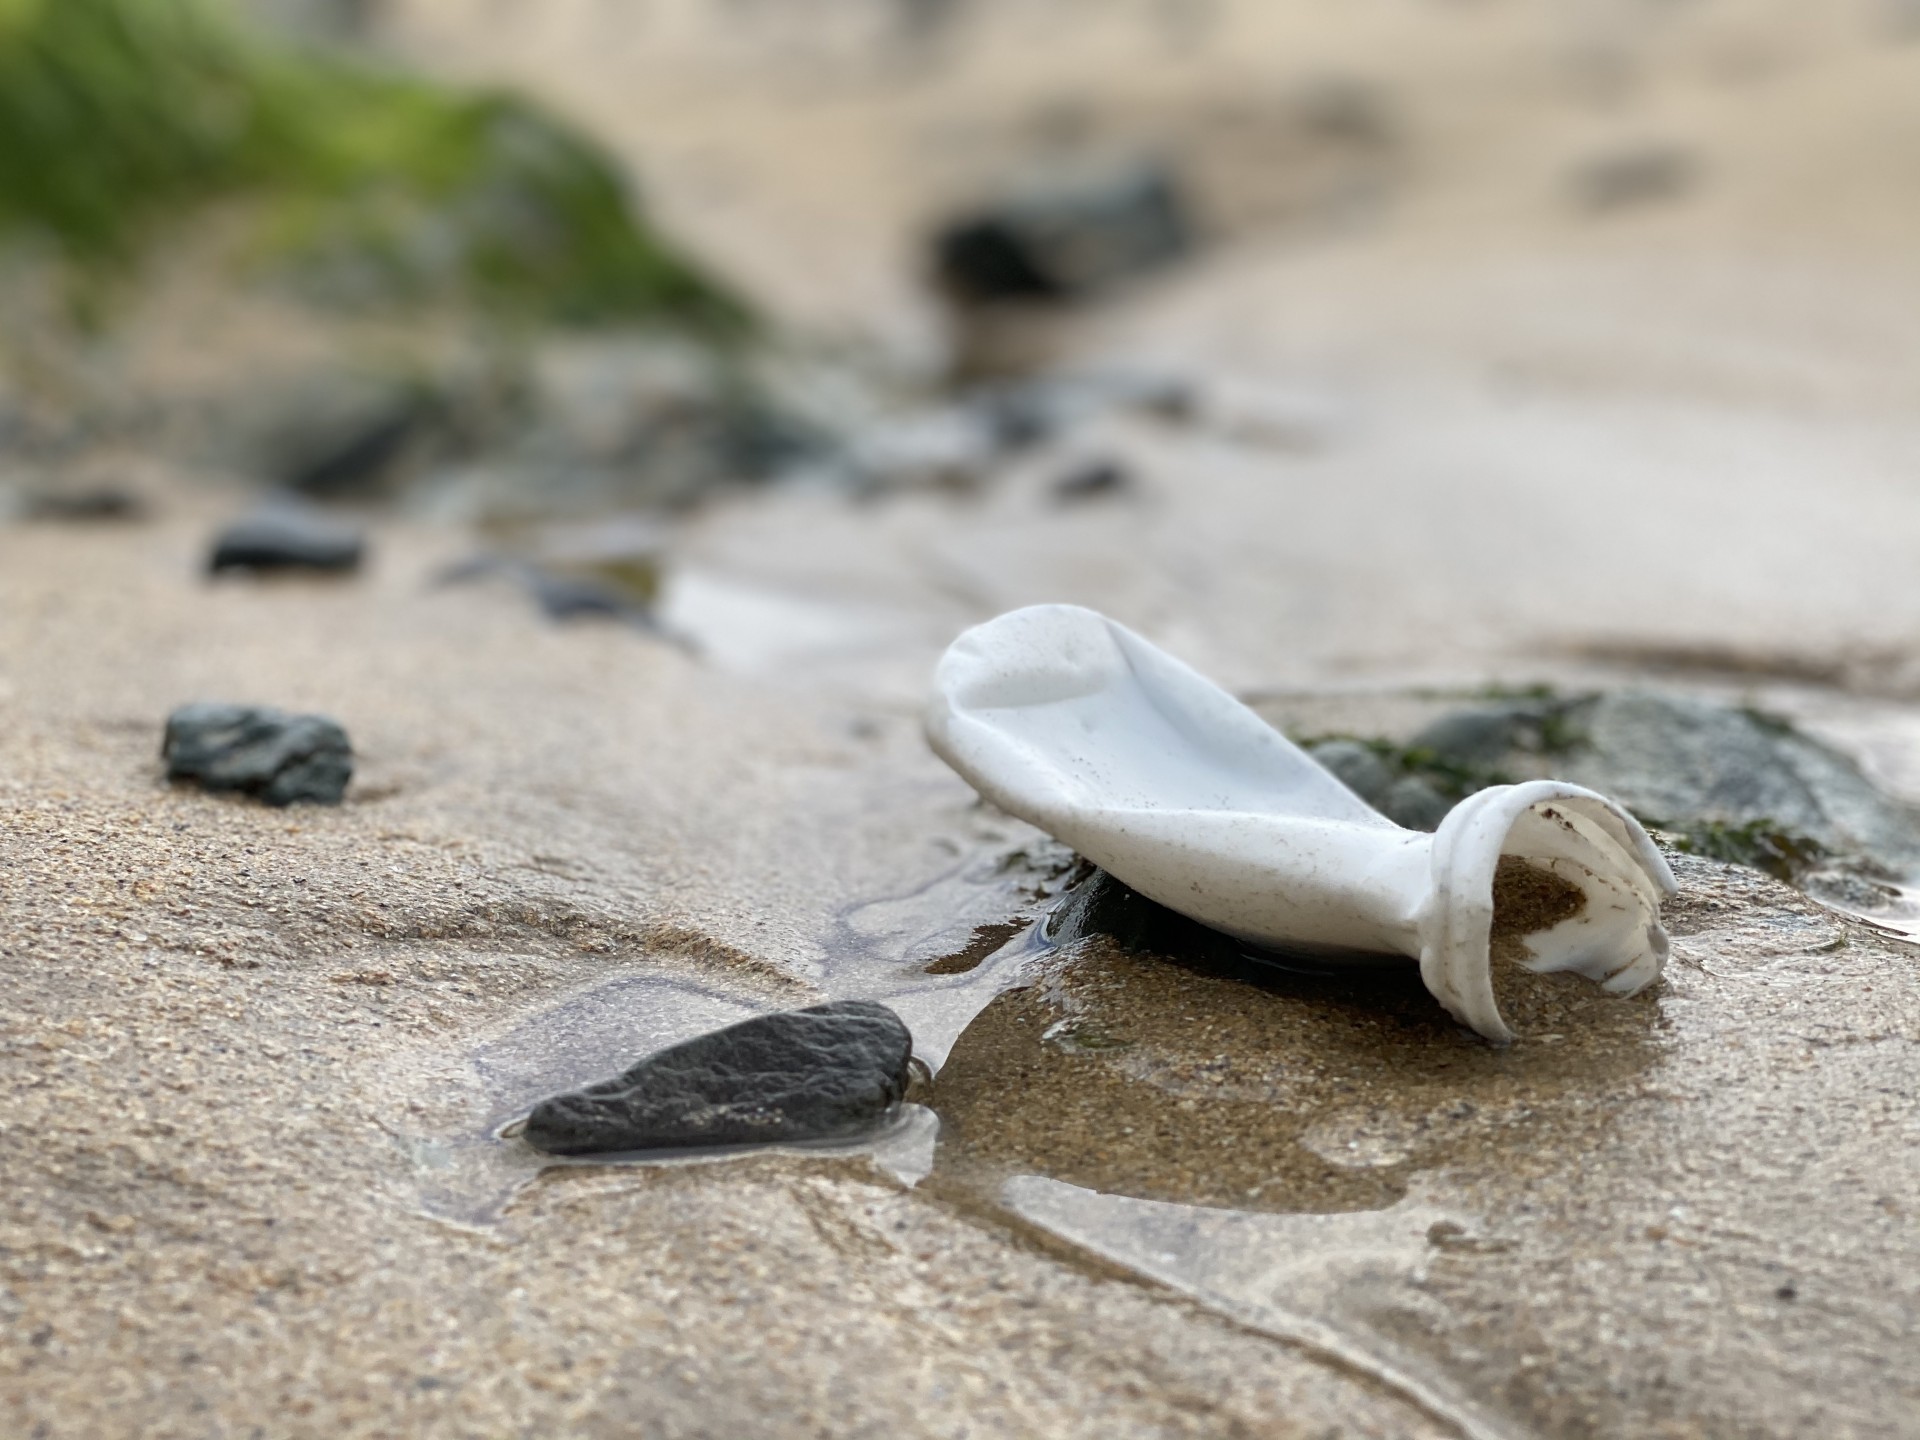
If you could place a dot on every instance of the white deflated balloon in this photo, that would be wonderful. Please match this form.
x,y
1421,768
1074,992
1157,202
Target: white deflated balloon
x,y
1073,723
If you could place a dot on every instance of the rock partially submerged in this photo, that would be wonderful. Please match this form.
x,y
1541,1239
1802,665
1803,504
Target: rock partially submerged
x,y
1075,724
814,1074
287,537
269,754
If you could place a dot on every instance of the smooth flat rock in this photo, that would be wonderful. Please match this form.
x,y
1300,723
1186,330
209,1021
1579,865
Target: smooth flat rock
x,y
276,757
796,1075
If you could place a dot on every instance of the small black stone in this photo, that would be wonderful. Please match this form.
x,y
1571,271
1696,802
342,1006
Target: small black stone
x,y
95,503
286,537
1066,238
575,597
327,430
353,459
810,1074
277,757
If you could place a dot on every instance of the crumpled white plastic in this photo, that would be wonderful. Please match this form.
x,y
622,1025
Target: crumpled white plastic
x,y
1073,723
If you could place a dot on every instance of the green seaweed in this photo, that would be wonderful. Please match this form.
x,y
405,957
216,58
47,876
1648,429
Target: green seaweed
x,y
1768,721
118,115
1762,844
1559,732
1538,690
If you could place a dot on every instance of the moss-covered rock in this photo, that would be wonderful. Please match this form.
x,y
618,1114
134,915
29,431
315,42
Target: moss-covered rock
x,y
1726,782
118,115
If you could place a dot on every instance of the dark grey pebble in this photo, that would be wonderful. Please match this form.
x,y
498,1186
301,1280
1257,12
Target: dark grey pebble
x,y
287,538
356,458
1414,803
277,757
1065,238
814,1074
94,503
1356,766
576,597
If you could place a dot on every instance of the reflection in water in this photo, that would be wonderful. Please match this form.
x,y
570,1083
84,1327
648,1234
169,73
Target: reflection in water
x,y
1312,1280
464,1171
1308,1279
940,954
470,1179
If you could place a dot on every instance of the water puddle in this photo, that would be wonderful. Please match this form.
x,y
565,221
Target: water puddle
x,y
1170,1065
937,954
1277,1144
1331,1161
593,1034
470,1180
1145,1076
468,1172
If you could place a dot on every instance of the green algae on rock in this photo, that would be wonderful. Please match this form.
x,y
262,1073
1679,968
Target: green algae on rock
x,y
118,114
1728,782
